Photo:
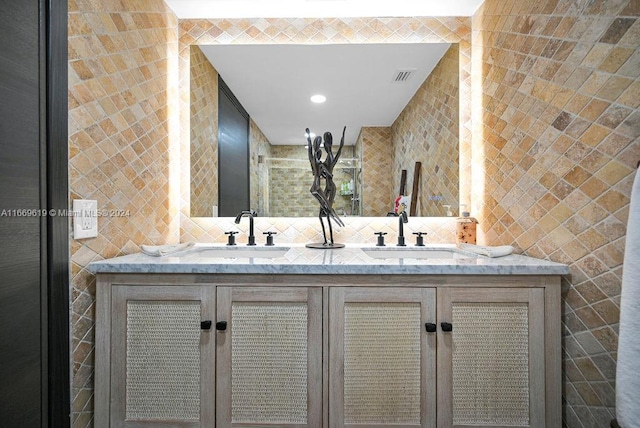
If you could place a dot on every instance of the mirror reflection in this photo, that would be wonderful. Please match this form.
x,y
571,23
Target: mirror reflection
x,y
399,102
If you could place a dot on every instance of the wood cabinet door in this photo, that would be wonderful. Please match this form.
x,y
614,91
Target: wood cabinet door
x,y
162,357
382,361
269,357
491,362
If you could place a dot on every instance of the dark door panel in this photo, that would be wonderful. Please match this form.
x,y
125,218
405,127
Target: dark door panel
x,y
233,154
20,319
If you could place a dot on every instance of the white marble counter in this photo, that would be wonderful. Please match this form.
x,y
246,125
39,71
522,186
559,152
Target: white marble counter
x,y
296,259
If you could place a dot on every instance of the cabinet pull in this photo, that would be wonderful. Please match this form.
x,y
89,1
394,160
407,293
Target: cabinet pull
x,y
431,327
446,326
221,325
205,325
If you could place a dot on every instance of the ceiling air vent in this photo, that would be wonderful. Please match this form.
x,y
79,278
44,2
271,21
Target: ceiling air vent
x,y
402,76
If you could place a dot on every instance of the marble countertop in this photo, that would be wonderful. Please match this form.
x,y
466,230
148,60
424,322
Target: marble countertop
x,y
353,259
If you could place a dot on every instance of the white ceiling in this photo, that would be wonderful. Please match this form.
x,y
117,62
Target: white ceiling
x,y
274,84
186,9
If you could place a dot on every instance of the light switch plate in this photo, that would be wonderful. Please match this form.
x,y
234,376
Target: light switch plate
x,y
85,218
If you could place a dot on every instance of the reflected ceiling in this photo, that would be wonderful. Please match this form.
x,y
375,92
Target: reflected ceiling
x,y
365,84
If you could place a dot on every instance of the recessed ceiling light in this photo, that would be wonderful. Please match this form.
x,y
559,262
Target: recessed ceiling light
x,y
318,99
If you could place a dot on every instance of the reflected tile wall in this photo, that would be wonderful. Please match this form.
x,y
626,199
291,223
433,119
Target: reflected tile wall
x,y
427,131
558,136
378,194
259,148
204,134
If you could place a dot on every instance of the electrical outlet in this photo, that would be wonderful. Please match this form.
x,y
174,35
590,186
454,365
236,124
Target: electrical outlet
x,y
85,218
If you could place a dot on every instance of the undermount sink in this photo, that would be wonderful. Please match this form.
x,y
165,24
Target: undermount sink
x,y
238,252
417,253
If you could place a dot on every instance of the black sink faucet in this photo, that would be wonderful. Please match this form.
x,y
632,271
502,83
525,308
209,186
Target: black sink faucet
x,y
251,214
402,218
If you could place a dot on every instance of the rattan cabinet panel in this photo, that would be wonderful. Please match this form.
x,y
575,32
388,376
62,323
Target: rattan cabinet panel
x,y
382,360
269,357
491,364
161,356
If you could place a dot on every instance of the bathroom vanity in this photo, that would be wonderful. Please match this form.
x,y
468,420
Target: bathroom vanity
x,y
296,337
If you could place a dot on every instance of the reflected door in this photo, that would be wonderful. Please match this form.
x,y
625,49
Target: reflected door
x,y
233,154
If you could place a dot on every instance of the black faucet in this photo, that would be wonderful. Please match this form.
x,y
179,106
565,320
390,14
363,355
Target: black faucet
x,y
251,214
402,218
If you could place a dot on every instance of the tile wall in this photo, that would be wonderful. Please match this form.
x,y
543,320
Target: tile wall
x,y
122,84
376,151
260,149
556,95
204,134
289,178
427,131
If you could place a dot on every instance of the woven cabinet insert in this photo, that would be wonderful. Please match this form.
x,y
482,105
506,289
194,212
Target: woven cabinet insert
x,y
269,362
382,363
163,361
491,364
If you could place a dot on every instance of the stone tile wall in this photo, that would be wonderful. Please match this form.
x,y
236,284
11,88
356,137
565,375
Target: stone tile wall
x,y
204,134
427,131
557,120
289,182
122,152
378,193
259,150
289,178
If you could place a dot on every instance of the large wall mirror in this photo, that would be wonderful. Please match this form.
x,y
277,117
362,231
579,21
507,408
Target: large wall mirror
x,y
399,102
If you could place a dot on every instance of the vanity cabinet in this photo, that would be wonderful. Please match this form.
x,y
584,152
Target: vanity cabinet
x,y
327,351
158,357
491,364
480,355
269,366
382,363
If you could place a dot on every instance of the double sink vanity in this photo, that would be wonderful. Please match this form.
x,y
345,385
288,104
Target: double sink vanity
x,y
287,336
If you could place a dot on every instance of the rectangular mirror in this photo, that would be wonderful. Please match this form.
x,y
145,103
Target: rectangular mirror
x,y
399,102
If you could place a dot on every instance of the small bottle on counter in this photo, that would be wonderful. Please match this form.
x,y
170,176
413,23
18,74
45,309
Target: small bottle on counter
x,y
465,228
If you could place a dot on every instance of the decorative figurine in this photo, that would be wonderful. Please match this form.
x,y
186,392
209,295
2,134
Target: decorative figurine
x,y
323,170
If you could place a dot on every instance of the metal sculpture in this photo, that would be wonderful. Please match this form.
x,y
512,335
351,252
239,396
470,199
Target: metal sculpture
x,y
323,170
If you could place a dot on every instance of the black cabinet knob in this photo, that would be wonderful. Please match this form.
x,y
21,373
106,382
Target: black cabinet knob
x,y
431,327
221,325
205,325
446,326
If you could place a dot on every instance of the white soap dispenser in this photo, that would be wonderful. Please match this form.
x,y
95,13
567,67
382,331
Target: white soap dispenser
x,y
449,212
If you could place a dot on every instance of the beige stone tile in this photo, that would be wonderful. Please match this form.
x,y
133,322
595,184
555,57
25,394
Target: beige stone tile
x,y
613,172
613,200
589,317
614,87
